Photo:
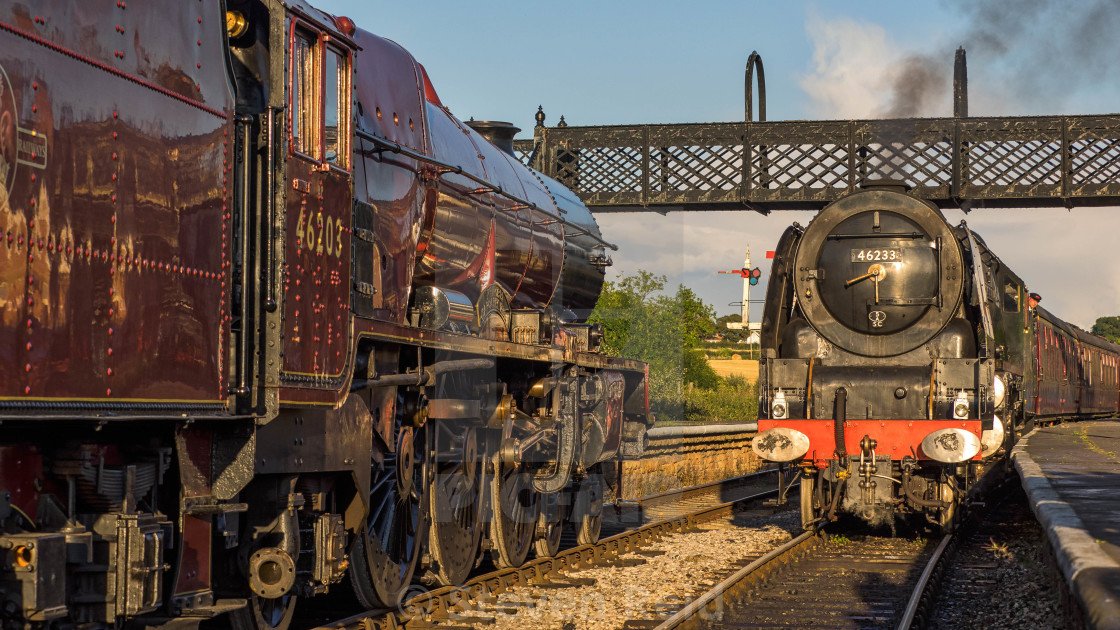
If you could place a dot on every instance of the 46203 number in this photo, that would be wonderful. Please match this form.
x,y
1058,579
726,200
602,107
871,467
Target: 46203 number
x,y
320,233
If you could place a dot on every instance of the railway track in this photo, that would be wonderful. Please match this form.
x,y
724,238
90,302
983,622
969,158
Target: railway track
x,y
829,580
821,581
627,527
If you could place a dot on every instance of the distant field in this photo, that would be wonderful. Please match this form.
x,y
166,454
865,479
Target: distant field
x,y
747,368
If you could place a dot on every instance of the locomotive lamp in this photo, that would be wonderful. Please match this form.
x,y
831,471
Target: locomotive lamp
x,y
778,408
999,391
992,439
960,406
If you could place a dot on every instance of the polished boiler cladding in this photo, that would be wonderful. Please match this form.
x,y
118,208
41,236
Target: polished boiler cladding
x,y
273,319
901,358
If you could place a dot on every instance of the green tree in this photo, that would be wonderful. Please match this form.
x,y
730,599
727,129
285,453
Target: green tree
x,y
733,335
640,321
1108,327
697,319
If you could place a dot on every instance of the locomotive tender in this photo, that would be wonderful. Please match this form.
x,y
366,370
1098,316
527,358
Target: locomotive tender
x,y
902,358
273,318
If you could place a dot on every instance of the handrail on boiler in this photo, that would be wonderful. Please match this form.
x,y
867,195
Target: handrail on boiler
x,y
444,168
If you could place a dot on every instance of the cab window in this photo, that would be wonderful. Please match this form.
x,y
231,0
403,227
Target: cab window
x,y
1011,297
335,95
304,91
320,93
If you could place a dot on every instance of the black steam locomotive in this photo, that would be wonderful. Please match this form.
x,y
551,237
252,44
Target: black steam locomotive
x,y
902,359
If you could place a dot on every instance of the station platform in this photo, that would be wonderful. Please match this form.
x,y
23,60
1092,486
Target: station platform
x,y
1071,473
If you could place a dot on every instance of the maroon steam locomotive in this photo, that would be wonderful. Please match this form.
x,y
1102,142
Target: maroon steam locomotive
x,y
902,358
272,318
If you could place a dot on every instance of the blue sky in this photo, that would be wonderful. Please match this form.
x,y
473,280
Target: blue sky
x,y
648,62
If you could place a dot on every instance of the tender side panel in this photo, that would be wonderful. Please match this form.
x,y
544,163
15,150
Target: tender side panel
x,y
115,145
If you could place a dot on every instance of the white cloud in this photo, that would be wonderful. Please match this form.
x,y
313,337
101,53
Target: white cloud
x,y
849,61
691,247
1070,257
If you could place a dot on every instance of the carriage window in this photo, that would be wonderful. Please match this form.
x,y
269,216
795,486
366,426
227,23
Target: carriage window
x,y
1011,298
304,102
336,98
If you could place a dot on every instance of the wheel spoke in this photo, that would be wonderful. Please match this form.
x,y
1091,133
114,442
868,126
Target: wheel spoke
x,y
383,564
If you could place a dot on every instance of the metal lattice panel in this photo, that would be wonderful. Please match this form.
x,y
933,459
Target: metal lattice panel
x,y
1004,162
523,150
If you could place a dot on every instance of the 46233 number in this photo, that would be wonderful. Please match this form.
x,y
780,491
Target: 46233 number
x,y
885,254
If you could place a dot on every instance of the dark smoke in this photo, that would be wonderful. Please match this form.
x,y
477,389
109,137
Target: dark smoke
x,y
1028,56
918,85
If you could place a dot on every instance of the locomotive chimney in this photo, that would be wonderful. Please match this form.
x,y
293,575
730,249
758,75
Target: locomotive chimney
x,y
499,133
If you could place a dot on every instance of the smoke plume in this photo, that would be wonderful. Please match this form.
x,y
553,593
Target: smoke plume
x,y
1048,49
1025,57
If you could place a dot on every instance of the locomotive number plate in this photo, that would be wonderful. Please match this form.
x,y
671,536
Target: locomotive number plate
x,y
880,254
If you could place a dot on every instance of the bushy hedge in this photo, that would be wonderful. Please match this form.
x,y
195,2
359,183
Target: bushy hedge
x,y
734,400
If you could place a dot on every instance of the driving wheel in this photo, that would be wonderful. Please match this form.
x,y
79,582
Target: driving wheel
x,y
588,517
455,531
515,508
387,548
550,525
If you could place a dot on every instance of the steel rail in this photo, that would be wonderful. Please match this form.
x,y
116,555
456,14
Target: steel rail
x,y
688,614
920,588
925,591
442,602
697,605
918,606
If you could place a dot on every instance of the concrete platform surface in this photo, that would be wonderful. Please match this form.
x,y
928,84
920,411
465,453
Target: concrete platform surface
x,y
1071,473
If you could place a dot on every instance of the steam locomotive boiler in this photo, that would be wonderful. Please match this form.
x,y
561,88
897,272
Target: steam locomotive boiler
x,y
902,358
274,319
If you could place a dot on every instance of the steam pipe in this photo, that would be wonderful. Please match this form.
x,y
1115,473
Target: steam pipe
x,y
423,376
917,500
841,417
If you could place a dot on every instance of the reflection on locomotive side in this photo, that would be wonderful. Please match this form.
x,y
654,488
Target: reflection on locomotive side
x,y
273,320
